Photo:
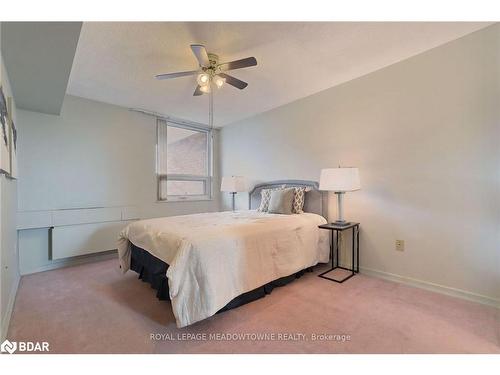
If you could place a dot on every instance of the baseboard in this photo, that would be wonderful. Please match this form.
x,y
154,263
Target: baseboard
x,y
454,292
74,261
10,307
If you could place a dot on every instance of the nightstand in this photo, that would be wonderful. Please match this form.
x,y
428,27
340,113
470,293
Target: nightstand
x,y
334,249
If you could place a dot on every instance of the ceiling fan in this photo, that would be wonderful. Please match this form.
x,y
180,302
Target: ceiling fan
x,y
211,71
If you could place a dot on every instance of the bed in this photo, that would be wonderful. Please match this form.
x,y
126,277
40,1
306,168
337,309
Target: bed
x,y
210,262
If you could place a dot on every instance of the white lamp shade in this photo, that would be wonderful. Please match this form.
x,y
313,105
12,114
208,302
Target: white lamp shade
x,y
233,184
339,179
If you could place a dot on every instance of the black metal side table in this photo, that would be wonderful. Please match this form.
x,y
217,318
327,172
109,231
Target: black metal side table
x,y
334,249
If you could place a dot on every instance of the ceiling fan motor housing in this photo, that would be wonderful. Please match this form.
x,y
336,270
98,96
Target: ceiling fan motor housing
x,y
213,58
212,69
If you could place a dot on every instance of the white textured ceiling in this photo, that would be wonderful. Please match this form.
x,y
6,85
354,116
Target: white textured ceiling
x,y
116,62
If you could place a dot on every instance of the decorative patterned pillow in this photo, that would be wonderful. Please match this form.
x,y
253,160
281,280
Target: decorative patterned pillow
x,y
265,197
299,196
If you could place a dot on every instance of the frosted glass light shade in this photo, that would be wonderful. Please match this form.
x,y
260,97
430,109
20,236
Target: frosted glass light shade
x,y
219,81
339,179
203,79
233,184
205,89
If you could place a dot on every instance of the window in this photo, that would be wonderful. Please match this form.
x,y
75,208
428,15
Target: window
x,y
184,162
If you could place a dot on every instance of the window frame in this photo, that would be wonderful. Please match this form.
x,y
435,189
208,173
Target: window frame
x,y
207,180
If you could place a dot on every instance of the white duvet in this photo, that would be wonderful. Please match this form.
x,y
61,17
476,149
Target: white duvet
x,y
215,257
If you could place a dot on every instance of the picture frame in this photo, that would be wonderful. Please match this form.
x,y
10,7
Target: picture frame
x,y
12,137
4,133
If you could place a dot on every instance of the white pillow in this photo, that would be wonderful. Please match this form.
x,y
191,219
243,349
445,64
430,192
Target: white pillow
x,y
281,201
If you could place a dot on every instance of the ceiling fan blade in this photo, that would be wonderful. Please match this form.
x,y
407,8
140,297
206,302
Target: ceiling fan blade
x,y
198,92
238,64
201,54
175,75
238,83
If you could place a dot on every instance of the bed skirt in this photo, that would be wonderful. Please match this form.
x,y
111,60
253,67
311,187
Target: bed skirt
x,y
153,271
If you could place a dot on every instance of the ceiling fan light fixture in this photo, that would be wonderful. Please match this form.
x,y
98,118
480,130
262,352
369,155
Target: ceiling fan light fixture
x,y
203,79
205,89
210,71
219,81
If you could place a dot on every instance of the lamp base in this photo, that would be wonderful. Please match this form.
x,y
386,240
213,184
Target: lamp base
x,y
342,223
233,193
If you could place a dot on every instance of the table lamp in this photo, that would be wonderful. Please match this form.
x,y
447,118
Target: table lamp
x,y
339,180
233,185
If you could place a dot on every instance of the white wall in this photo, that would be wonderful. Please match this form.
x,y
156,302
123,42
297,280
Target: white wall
x,y
9,251
92,155
424,133
9,270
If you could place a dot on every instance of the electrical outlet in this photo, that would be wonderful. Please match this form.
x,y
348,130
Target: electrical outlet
x,y
400,245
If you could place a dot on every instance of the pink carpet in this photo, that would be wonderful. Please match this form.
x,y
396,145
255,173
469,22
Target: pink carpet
x,y
93,308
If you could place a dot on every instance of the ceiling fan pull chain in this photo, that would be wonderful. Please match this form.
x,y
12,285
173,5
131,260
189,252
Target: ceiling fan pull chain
x,y
211,109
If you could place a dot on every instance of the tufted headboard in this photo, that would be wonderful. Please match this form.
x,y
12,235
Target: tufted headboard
x,y
315,200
